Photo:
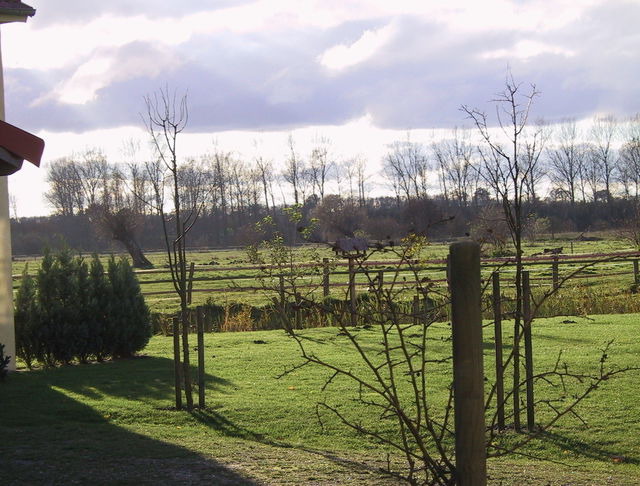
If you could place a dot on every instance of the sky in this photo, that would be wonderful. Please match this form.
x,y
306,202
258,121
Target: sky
x,y
362,73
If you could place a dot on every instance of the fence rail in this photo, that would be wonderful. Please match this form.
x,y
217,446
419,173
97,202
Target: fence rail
x,y
433,270
545,269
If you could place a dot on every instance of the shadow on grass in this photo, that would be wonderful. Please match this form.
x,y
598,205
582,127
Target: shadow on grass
x,y
48,437
588,450
225,426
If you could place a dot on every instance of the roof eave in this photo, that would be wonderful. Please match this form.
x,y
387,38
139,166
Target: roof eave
x,y
17,14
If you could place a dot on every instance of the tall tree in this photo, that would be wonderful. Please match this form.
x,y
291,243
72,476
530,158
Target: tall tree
x,y
166,118
510,168
628,172
65,193
320,165
88,183
566,160
454,155
294,172
604,132
407,166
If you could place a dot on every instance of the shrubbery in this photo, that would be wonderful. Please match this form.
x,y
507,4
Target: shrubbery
x,y
4,363
75,311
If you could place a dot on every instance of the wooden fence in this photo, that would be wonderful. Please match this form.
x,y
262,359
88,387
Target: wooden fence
x,y
545,271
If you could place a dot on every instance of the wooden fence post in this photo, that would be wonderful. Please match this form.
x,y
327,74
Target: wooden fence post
x,y
528,349
352,293
380,280
325,277
636,274
497,329
201,385
282,295
177,374
190,280
416,310
186,367
468,375
555,273
298,310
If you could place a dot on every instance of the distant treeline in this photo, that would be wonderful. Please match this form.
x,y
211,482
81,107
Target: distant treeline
x,y
334,216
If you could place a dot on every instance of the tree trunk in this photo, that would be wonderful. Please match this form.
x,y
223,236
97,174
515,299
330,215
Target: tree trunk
x,y
135,252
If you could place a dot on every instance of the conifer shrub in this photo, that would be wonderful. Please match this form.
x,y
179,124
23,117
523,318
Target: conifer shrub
x,y
76,311
27,320
129,323
4,363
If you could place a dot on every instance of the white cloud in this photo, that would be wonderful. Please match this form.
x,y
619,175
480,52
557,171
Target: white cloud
x,y
370,42
526,49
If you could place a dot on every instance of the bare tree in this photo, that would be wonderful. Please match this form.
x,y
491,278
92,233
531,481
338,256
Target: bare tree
x,y
532,152
166,118
88,183
320,165
362,178
264,169
566,160
294,171
592,171
509,169
628,163
65,192
455,164
604,132
407,165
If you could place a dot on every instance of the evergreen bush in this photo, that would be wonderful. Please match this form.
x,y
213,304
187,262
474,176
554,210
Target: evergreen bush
x,y
4,363
99,303
75,311
27,320
129,318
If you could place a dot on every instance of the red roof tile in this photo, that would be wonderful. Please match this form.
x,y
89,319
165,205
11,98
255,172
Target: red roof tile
x,y
16,7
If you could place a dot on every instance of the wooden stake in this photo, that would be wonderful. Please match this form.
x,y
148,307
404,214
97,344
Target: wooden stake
x,y
528,350
352,292
190,284
497,329
177,372
201,370
325,277
186,367
468,383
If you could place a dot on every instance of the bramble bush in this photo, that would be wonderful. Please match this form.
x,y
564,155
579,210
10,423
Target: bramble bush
x,y
74,311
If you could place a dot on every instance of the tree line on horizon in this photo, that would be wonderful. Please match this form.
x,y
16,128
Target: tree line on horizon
x,y
578,179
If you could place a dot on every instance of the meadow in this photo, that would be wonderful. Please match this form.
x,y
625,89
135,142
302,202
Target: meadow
x,y
220,275
114,422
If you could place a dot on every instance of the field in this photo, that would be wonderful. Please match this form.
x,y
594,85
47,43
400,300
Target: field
x,y
112,423
214,270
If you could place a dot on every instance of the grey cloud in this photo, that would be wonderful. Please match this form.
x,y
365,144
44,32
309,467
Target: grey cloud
x,y
419,80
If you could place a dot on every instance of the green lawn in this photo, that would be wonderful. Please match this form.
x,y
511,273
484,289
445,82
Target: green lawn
x,y
112,423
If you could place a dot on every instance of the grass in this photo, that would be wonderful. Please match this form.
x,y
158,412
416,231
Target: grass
x,y
112,423
603,291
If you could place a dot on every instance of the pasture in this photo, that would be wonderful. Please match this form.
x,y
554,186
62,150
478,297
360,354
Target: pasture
x,y
113,422
225,277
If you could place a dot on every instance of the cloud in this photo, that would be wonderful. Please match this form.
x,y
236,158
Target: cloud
x,y
342,56
409,67
527,49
